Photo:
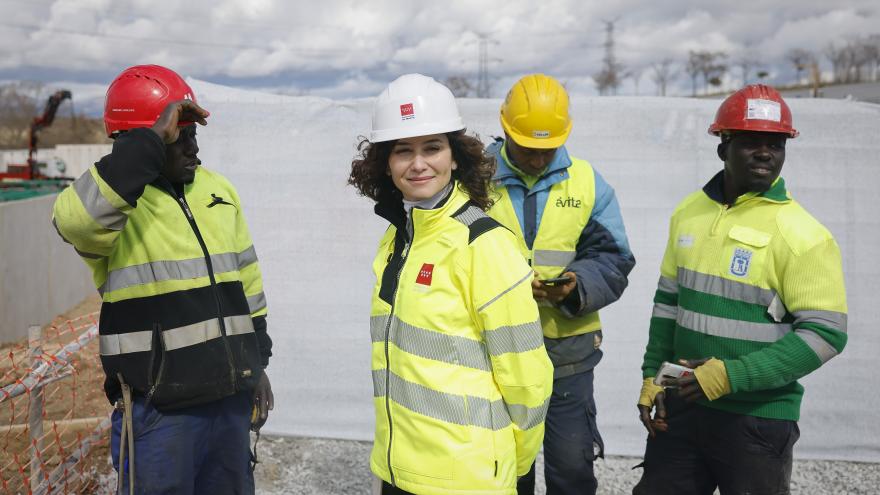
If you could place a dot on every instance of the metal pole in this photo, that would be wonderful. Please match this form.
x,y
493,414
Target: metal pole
x,y
35,407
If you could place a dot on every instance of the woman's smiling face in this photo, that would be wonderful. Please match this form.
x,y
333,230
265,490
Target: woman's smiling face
x,y
421,166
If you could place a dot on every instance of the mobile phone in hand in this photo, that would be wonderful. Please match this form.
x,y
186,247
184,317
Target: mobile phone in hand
x,y
553,282
670,371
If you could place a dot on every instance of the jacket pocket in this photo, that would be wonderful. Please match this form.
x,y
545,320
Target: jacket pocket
x,y
246,358
191,368
595,446
745,254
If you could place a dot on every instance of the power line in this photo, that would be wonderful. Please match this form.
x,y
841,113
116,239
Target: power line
x,y
483,78
484,89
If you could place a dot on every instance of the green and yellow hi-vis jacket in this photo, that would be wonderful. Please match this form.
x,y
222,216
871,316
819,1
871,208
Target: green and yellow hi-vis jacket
x,y
759,285
183,312
461,379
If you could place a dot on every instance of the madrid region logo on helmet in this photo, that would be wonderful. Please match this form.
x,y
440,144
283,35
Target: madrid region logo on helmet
x,y
138,95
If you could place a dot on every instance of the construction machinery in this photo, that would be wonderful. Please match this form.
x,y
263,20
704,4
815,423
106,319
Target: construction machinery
x,y
26,180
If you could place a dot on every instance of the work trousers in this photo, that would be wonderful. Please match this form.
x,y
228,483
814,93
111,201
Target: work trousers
x,y
571,440
388,489
707,448
203,449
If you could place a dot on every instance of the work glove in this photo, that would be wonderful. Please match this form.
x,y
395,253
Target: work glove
x,y
650,397
649,391
712,377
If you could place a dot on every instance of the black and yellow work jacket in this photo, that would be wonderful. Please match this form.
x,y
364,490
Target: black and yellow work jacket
x,y
183,312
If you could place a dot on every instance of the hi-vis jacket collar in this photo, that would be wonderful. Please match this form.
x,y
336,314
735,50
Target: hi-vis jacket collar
x,y
505,173
392,210
777,192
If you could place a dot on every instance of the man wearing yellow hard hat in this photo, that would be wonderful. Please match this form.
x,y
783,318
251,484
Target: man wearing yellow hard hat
x,y
570,229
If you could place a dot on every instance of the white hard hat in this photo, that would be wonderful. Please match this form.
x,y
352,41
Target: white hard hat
x,y
414,105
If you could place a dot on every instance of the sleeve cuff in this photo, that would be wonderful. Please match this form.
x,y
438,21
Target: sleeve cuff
x,y
573,303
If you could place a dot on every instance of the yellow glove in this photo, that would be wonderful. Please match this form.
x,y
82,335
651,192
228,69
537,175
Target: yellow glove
x,y
712,377
649,391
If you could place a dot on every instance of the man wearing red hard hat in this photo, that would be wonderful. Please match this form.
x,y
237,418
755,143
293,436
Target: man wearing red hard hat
x,y
183,339
751,298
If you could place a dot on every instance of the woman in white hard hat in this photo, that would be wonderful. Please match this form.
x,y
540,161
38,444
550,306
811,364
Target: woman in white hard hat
x,y
461,379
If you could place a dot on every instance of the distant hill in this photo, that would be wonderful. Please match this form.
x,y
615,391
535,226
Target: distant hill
x,y
20,102
65,130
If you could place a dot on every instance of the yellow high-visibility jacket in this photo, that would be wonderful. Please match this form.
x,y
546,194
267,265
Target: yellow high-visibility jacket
x,y
461,379
183,312
758,284
568,220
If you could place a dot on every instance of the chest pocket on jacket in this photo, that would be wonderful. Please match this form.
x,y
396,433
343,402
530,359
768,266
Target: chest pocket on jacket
x,y
745,253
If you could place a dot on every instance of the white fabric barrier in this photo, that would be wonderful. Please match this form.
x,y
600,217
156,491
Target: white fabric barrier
x,y
290,157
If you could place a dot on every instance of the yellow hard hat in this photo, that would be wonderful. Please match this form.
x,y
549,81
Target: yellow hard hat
x,y
535,112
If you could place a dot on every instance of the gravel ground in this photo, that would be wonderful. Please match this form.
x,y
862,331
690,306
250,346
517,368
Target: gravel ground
x,y
311,466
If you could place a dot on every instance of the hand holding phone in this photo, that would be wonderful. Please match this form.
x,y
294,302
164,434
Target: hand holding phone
x,y
670,371
556,281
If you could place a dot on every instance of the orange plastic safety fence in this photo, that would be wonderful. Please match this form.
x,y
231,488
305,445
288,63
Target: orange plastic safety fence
x,y
66,395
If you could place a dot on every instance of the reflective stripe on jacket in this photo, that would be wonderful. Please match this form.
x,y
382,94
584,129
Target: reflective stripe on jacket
x,y
758,284
461,380
178,276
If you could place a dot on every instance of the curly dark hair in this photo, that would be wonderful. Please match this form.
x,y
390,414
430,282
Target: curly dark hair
x,y
474,171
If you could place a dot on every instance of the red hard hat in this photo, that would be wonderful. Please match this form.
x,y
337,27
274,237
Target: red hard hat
x,y
139,94
754,108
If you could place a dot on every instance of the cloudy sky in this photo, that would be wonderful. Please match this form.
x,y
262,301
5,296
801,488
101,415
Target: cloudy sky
x,y
340,49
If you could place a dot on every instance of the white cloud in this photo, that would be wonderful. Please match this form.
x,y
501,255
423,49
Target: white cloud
x,y
352,47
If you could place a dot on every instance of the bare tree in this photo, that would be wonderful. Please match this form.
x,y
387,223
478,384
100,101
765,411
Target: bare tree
x,y
847,60
692,68
861,57
801,60
872,48
838,58
636,75
712,68
662,75
459,85
705,63
608,80
746,63
18,106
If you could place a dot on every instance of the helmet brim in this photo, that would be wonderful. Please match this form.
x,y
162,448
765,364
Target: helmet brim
x,y
536,143
384,135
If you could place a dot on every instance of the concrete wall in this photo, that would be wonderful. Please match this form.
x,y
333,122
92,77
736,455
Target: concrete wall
x,y
40,275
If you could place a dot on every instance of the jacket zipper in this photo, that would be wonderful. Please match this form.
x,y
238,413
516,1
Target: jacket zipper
x,y
157,334
713,231
404,253
725,209
192,222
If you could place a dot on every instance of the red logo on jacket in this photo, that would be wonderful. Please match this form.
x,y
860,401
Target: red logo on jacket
x,y
425,274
